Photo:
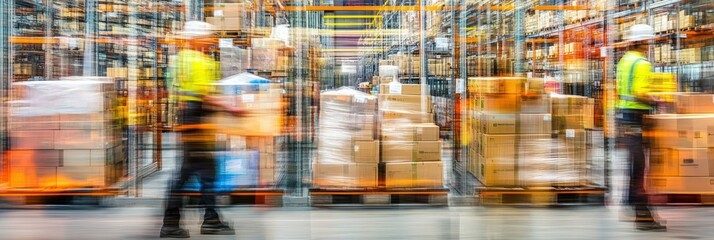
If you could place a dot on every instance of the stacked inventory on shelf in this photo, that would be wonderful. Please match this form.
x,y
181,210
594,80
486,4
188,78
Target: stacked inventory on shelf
x,y
411,150
347,151
62,135
513,127
681,146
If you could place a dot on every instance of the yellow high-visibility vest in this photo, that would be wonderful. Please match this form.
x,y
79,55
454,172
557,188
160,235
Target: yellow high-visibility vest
x,y
633,80
193,75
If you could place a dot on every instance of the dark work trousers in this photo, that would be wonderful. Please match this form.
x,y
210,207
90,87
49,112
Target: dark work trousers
x,y
198,161
630,136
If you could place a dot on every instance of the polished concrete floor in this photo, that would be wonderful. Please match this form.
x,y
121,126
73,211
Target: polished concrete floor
x,y
305,223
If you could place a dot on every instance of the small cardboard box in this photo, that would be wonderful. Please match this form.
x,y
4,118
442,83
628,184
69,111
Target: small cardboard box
x,y
345,175
498,146
695,103
409,116
407,89
410,132
411,151
535,124
416,103
414,175
498,103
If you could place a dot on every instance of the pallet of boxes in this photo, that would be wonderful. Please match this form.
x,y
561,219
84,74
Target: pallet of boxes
x,y
64,138
249,145
347,160
522,151
411,149
680,151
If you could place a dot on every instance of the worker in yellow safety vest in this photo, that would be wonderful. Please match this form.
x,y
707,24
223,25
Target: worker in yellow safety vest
x,y
633,82
193,73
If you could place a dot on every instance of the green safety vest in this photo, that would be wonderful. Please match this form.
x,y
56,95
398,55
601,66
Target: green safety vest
x,y
193,74
633,79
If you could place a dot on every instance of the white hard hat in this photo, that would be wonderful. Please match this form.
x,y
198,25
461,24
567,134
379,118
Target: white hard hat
x,y
640,32
195,29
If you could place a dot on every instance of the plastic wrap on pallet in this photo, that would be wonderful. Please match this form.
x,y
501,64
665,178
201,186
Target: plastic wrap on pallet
x,y
346,127
234,61
43,98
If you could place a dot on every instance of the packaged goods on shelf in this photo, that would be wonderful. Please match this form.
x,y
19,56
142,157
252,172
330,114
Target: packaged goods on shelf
x,y
414,175
345,175
347,151
62,134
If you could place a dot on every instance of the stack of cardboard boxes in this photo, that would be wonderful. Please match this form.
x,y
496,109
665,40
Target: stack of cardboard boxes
x,y
411,150
228,16
511,131
234,61
348,152
62,135
681,146
572,116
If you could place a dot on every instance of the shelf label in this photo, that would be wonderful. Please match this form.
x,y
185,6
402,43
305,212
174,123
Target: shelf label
x,y
395,88
569,133
225,43
460,85
603,51
546,117
218,13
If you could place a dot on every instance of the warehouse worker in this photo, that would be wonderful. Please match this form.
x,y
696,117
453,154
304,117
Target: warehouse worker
x,y
633,81
194,73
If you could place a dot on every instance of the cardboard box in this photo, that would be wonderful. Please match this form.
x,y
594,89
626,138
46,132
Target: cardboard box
x,y
333,151
410,132
76,158
228,10
267,177
99,120
84,176
267,160
696,131
226,23
416,103
568,104
345,102
500,84
49,122
498,123
411,151
662,163
34,158
348,175
539,104
498,146
407,89
535,124
684,185
81,139
414,175
38,139
492,174
693,162
261,144
269,124
562,122
499,103
409,116
32,177
695,103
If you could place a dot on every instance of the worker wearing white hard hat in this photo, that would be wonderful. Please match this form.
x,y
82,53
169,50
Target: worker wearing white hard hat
x,y
193,75
633,86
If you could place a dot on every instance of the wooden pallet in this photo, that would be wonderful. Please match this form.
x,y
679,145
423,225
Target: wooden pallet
x,y
269,197
336,197
682,199
77,196
546,196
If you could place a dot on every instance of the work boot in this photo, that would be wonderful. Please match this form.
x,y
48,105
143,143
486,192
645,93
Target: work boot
x,y
173,232
218,228
651,226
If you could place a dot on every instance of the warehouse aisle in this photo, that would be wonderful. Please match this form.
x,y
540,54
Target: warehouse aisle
x,y
295,223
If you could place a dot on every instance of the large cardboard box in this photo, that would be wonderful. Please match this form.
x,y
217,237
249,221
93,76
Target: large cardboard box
x,y
695,131
568,104
416,103
498,123
414,175
693,162
406,116
535,104
407,89
411,151
34,158
348,175
662,163
498,146
498,103
695,103
492,174
535,124
333,151
692,185
410,132
36,139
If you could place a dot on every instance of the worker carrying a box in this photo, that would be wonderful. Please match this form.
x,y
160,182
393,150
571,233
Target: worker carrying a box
x,y
633,80
193,74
